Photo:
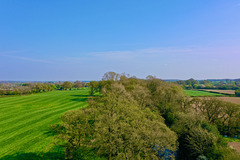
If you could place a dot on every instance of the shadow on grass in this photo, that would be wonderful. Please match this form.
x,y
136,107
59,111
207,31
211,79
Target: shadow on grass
x,y
34,156
81,95
82,98
54,130
85,96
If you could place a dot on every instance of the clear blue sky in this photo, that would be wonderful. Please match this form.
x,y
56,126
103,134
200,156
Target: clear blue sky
x,y
83,39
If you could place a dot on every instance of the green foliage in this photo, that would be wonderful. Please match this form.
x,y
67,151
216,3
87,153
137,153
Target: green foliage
x,y
111,76
237,93
78,84
67,85
117,127
223,151
223,114
127,121
94,87
210,84
229,139
196,141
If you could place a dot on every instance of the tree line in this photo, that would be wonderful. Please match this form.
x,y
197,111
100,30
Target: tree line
x,y
210,84
148,119
31,88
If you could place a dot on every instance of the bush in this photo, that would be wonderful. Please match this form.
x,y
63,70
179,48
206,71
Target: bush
x,y
196,142
237,93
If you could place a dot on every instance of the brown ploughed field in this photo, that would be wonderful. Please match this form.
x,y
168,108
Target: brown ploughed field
x,y
235,100
220,91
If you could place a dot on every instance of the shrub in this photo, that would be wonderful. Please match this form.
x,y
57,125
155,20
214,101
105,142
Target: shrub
x,y
196,142
237,93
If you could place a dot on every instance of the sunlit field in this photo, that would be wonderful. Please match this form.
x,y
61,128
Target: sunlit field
x,y
25,123
197,93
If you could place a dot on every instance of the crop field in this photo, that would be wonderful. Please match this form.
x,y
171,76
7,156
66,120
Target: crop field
x,y
25,121
230,92
198,93
235,100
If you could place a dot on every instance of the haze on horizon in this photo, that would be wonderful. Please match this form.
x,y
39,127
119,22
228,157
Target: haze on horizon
x,y
81,40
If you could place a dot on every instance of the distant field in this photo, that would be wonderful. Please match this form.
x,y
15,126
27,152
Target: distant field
x,y
220,91
235,100
25,121
198,93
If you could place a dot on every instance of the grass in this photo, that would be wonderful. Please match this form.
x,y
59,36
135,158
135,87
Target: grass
x,y
25,121
197,93
229,139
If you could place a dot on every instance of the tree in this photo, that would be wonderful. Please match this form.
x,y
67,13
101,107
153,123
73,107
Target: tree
x,y
67,85
229,125
77,130
237,93
94,87
78,84
211,108
112,76
195,142
117,128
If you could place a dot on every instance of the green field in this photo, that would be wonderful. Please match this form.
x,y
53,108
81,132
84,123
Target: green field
x,y
197,93
25,121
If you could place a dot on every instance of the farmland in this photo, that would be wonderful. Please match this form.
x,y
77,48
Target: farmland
x,y
25,121
230,92
235,100
198,93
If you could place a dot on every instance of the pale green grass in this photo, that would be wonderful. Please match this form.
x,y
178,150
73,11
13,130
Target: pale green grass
x,y
197,93
25,121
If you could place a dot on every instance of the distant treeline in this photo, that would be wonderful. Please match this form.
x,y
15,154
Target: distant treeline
x,y
210,84
148,119
16,88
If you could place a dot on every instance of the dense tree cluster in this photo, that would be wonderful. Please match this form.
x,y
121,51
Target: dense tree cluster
x,y
25,88
148,119
210,84
237,92
32,87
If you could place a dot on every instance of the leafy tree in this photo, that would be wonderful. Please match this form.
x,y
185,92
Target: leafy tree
x,y
116,127
111,76
94,87
211,108
77,130
196,142
229,125
67,85
78,84
237,93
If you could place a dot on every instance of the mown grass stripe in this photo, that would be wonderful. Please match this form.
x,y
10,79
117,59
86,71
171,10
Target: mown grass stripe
x,y
33,120
19,137
29,101
26,119
26,116
30,97
11,115
49,100
25,97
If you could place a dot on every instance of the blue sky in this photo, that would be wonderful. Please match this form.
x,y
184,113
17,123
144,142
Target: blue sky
x,y
81,40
